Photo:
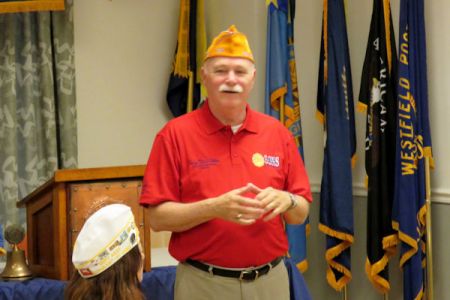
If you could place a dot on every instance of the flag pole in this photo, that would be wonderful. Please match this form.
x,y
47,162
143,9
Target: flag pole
x,y
190,92
344,293
386,296
429,268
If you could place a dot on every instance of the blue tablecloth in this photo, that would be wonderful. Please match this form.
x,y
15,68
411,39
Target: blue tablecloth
x,y
157,285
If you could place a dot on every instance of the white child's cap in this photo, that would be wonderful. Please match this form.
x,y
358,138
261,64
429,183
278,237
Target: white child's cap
x,y
106,236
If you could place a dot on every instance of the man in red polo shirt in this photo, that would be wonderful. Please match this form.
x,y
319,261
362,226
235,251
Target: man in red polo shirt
x,y
224,179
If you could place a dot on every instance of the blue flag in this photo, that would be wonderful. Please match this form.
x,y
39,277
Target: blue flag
x,y
413,145
282,97
335,109
2,241
184,92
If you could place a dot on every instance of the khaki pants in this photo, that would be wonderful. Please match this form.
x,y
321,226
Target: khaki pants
x,y
194,284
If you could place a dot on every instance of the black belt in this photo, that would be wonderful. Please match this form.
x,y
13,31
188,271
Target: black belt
x,y
244,274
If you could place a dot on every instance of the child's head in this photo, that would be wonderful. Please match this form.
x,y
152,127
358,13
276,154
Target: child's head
x,y
107,256
106,236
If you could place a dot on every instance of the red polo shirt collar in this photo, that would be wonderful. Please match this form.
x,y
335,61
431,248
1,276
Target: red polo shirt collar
x,y
211,125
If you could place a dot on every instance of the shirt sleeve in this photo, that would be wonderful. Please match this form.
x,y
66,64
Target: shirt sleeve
x,y
161,178
297,179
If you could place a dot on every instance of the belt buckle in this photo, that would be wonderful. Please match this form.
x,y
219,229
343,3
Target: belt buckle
x,y
245,272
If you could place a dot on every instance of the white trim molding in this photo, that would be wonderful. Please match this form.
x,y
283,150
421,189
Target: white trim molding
x,y
358,190
438,195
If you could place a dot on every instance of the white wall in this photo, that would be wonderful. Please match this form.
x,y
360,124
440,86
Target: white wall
x,y
124,51
123,55
438,46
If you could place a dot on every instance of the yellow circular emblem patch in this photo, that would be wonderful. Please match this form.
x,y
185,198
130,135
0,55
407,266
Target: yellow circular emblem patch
x,y
258,160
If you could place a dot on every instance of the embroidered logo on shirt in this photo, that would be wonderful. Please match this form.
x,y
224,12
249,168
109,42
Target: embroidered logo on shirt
x,y
204,163
260,160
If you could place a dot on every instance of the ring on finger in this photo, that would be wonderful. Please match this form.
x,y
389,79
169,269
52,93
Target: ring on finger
x,y
238,216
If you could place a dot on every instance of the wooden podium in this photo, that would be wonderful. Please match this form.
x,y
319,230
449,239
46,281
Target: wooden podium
x,y
57,210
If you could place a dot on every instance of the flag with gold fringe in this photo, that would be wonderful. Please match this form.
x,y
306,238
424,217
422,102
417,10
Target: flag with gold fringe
x,y
413,146
11,6
184,92
336,111
2,241
378,98
282,97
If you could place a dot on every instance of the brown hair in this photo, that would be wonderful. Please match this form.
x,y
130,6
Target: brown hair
x,y
120,281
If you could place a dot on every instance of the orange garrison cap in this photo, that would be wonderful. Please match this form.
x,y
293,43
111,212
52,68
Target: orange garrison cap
x,y
230,43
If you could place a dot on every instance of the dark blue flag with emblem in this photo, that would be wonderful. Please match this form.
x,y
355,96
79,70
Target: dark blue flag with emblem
x,y
282,97
184,91
413,146
335,109
378,97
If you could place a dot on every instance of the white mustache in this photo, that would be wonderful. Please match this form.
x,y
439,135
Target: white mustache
x,y
233,89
